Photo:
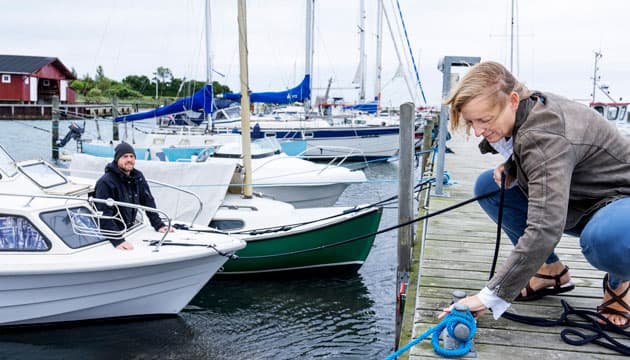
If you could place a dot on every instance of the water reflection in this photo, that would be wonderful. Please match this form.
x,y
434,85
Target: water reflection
x,y
288,318
138,338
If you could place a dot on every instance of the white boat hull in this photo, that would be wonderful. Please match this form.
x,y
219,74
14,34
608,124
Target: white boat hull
x,y
305,196
71,296
359,148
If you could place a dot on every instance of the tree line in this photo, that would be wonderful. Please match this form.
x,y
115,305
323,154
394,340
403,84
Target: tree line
x,y
162,85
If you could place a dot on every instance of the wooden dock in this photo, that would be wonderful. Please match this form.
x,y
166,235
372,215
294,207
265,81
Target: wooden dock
x,y
457,256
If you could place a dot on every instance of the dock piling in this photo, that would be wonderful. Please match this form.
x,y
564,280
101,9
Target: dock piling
x,y
115,135
405,203
55,127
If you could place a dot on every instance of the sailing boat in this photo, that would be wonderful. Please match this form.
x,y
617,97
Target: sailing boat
x,y
310,135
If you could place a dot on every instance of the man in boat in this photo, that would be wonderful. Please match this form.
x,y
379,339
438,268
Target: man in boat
x,y
571,174
122,182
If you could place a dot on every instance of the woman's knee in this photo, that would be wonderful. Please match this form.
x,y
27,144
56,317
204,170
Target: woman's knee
x,y
605,242
485,183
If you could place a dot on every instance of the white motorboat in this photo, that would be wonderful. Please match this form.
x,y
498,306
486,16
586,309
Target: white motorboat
x,y
56,264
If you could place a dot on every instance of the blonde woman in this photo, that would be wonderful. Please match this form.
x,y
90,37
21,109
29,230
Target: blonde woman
x,y
572,174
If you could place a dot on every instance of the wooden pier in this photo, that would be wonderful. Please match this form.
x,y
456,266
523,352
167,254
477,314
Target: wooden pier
x,y
457,255
67,111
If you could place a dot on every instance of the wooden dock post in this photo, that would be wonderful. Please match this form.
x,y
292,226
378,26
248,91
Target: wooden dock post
x,y
115,135
55,127
426,143
405,207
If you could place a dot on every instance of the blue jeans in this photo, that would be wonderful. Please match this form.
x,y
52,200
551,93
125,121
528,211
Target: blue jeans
x,y
605,239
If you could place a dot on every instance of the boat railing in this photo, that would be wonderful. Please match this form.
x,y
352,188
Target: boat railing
x,y
338,160
88,224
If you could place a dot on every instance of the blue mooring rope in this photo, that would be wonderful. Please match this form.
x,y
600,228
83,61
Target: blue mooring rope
x,y
449,322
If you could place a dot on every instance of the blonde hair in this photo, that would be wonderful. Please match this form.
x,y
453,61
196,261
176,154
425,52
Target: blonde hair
x,y
487,78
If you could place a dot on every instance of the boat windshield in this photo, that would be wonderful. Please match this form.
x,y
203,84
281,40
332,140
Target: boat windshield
x,y
59,221
229,113
7,163
260,148
42,174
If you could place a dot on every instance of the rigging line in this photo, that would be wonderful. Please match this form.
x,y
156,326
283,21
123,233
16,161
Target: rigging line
x,y
413,60
33,126
452,207
393,227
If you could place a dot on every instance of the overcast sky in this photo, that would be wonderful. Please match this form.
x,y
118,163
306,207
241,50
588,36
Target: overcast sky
x,y
557,40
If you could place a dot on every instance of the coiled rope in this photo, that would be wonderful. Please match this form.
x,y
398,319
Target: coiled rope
x,y
454,318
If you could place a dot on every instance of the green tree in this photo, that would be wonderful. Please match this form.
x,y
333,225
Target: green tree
x,y
139,83
220,89
163,73
100,74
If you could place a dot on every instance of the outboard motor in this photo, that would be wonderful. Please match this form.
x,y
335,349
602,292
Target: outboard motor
x,y
75,133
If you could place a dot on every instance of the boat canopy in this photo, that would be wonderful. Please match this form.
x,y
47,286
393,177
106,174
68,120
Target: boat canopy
x,y
201,101
369,107
296,94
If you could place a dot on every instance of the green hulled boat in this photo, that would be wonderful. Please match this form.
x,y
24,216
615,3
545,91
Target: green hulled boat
x,y
315,239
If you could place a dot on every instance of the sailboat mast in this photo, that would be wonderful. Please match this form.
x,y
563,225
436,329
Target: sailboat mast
x,y
308,57
379,55
208,43
208,13
362,59
598,55
245,113
512,39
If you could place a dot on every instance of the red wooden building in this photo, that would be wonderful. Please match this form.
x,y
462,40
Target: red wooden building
x,y
34,80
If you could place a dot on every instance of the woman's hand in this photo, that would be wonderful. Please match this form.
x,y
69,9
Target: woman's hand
x,y
496,175
475,306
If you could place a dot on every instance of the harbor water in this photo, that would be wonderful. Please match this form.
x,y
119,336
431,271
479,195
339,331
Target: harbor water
x,y
339,316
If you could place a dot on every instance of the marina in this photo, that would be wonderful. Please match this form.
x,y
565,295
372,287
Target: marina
x,y
251,215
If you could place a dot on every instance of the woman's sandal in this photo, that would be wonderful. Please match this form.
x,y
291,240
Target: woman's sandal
x,y
614,298
531,294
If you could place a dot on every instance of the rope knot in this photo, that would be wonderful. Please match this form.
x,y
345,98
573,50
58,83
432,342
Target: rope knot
x,y
459,324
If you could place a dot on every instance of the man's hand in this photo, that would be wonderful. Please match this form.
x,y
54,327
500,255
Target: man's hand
x,y
164,229
125,245
475,306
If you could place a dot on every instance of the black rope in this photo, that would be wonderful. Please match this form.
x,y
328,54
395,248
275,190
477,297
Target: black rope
x,y
424,217
346,212
499,221
595,331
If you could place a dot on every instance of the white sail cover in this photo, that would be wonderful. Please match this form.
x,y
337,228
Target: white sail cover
x,y
209,180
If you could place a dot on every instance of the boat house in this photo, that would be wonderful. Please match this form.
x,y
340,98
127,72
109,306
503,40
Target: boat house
x,y
34,80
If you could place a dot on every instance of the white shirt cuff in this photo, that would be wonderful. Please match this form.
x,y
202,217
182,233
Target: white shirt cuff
x,y
492,301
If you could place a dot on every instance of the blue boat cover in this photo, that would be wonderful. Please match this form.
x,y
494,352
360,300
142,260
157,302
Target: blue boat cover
x,y
369,107
201,101
298,93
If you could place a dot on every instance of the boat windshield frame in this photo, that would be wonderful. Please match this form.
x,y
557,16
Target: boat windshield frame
x,y
7,163
42,174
